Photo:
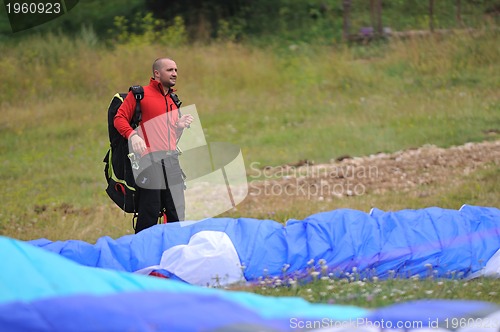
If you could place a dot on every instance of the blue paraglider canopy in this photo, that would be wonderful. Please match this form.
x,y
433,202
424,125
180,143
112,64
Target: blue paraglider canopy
x,y
78,286
402,243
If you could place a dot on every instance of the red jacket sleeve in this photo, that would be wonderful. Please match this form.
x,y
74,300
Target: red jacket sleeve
x,y
124,116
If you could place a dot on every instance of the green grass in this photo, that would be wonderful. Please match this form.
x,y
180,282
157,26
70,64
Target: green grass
x,y
279,105
375,293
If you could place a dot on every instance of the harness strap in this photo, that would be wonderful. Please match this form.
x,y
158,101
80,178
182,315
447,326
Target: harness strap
x,y
138,92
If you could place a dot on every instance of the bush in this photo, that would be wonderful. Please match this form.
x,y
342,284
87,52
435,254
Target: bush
x,y
149,30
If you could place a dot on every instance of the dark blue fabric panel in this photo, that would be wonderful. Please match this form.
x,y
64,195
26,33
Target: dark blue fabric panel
x,y
134,311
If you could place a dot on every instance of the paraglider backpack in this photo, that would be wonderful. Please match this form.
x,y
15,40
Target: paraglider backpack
x,y
118,170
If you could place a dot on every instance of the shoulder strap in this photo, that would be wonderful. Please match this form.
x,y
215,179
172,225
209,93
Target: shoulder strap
x,y
176,100
138,92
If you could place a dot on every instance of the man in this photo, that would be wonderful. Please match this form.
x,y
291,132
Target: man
x,y
160,183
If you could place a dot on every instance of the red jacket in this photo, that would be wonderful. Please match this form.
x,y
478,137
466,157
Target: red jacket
x,y
159,118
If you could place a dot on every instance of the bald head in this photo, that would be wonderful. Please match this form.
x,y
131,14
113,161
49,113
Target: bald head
x,y
165,71
159,63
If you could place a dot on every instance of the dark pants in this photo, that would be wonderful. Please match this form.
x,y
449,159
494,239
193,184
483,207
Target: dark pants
x,y
160,189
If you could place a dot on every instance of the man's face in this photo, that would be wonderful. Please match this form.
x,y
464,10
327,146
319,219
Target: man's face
x,y
168,73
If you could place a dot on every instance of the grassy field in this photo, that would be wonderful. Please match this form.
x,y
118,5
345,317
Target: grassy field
x,y
280,104
375,293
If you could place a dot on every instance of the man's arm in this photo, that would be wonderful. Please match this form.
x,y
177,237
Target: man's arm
x,y
184,122
124,116
122,124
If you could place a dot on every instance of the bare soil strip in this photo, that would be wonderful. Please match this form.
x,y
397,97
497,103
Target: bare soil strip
x,y
400,171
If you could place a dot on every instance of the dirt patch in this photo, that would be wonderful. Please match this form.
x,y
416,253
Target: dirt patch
x,y
400,171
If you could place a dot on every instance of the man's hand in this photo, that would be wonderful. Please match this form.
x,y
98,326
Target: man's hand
x,y
138,144
185,121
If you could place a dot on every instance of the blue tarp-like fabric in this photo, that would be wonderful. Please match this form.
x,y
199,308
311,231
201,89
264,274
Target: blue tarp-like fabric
x,y
406,242
41,291
77,286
